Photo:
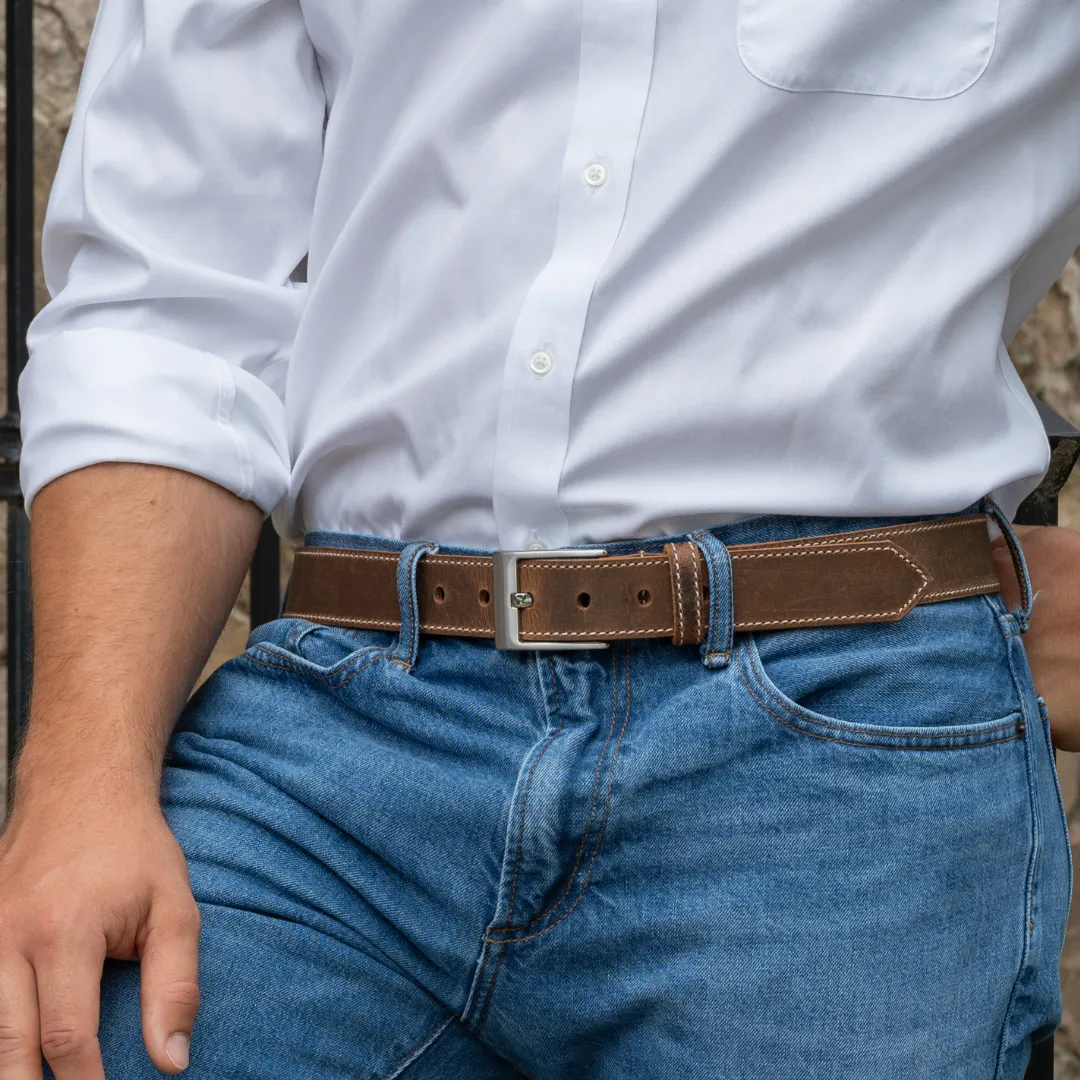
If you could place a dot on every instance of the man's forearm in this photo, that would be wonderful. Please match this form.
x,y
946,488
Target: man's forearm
x,y
134,570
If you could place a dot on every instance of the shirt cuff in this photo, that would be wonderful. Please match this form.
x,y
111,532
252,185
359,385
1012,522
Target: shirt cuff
x,y
102,394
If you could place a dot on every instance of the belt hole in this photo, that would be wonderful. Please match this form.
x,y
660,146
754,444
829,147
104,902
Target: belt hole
x,y
485,598
583,600
644,598
440,594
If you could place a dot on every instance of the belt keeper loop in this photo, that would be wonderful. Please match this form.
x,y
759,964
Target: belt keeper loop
x,y
688,609
408,601
718,643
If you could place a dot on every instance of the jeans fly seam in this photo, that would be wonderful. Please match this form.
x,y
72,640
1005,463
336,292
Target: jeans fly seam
x,y
549,739
600,833
525,795
419,1048
508,927
756,670
867,745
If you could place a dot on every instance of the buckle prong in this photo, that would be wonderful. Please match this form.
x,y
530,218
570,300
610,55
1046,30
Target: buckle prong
x,y
509,599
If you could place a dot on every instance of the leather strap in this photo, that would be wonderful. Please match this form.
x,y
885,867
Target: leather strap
x,y
872,575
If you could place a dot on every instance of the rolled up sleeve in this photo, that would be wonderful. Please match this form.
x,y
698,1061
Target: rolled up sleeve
x,y
181,206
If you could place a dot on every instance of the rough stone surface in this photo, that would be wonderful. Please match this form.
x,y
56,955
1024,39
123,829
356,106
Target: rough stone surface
x,y
1046,351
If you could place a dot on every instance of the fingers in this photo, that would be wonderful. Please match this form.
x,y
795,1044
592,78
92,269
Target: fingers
x,y
170,984
20,1046
68,966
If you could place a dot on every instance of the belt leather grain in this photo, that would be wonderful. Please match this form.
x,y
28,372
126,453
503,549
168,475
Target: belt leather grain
x,y
866,576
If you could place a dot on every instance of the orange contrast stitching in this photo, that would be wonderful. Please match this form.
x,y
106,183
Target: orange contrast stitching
x,y
761,679
521,837
299,669
600,835
528,785
509,927
429,1037
869,745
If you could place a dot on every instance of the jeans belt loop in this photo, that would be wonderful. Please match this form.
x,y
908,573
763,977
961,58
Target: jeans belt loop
x,y
409,635
1019,561
716,648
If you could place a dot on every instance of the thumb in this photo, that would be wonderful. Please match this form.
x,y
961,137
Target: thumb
x,y
169,978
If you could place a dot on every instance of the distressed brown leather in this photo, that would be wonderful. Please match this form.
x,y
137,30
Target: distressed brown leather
x,y
872,575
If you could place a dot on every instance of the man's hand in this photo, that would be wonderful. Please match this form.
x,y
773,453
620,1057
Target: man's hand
x,y
1053,639
134,569
88,875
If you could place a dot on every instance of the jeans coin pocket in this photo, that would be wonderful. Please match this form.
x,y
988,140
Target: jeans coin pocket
x,y
926,49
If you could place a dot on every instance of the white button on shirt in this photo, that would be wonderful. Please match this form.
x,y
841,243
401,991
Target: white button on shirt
x,y
541,362
596,174
772,250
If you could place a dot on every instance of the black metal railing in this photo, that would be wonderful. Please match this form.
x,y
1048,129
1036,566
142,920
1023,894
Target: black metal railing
x,y
1039,509
1041,506
20,309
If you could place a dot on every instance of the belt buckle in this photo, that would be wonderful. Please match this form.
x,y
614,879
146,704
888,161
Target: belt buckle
x,y
509,600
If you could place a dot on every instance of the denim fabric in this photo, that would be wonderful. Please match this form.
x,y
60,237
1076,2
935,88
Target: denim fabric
x,y
837,853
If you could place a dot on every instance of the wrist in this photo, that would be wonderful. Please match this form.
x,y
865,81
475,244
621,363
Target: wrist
x,y
82,773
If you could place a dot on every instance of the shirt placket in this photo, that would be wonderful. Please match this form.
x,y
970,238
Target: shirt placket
x,y
617,40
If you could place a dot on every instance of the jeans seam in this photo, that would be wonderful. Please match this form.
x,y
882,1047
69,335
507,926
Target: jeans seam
x,y
1045,718
1029,900
508,926
525,795
421,1047
489,993
599,837
1012,626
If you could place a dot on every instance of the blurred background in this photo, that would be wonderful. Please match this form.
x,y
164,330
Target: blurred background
x,y
1046,352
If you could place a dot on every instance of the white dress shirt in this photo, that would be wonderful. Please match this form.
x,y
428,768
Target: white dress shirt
x,y
576,269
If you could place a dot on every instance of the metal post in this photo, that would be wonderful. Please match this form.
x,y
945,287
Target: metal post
x,y
20,310
265,577
1041,506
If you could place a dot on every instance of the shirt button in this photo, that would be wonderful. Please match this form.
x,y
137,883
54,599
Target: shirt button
x,y
536,545
541,362
596,174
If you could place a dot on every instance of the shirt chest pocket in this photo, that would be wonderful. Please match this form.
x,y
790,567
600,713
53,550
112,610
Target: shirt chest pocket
x,y
893,48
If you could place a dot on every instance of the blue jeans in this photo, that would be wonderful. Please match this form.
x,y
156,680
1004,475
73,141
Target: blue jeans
x,y
791,855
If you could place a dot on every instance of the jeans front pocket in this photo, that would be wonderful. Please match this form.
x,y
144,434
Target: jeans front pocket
x,y
329,653
938,679
926,49
892,806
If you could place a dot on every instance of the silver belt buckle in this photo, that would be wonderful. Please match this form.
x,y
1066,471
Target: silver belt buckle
x,y
509,600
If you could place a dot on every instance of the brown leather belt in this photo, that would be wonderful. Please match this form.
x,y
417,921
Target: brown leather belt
x,y
565,599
